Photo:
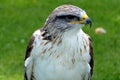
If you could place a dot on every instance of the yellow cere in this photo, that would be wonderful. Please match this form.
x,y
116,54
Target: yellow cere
x,y
80,21
76,22
85,16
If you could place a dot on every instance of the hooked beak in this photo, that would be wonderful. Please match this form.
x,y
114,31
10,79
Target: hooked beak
x,y
84,20
88,21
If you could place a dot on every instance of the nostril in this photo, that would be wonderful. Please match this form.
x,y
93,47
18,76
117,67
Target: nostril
x,y
83,18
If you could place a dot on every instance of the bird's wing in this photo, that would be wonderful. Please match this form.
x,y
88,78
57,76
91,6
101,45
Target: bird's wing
x,y
92,60
28,60
28,63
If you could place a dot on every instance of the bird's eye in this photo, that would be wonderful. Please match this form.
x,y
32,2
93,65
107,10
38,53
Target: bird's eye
x,y
70,18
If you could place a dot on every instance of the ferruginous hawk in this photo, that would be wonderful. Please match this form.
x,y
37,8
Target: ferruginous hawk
x,y
60,50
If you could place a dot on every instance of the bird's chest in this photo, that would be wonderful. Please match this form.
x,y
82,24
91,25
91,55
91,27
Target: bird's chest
x,y
64,61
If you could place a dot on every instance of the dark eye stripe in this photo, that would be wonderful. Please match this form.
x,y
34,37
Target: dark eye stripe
x,y
68,17
71,17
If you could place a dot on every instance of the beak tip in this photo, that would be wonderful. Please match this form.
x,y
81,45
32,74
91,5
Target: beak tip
x,y
88,21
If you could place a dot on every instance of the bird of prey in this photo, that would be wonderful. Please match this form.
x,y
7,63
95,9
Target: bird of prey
x,y
60,50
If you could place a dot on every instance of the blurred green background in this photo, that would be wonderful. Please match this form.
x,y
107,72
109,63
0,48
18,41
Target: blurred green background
x,y
20,18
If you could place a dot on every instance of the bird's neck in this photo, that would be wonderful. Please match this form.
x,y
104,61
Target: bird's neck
x,y
72,33
57,34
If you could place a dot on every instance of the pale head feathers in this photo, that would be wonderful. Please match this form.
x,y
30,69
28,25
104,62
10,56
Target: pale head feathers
x,y
65,18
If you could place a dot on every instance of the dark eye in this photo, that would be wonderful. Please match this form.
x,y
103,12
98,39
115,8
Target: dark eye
x,y
70,18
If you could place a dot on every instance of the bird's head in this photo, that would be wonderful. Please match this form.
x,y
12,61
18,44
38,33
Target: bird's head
x,y
67,17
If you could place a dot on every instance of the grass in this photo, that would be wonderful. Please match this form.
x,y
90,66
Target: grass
x,y
20,18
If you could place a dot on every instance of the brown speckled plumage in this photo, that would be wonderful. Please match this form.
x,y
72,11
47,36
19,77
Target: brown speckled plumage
x,y
60,50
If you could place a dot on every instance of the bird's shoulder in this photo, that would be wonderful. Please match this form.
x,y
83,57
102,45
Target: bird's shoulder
x,y
35,38
91,55
30,50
